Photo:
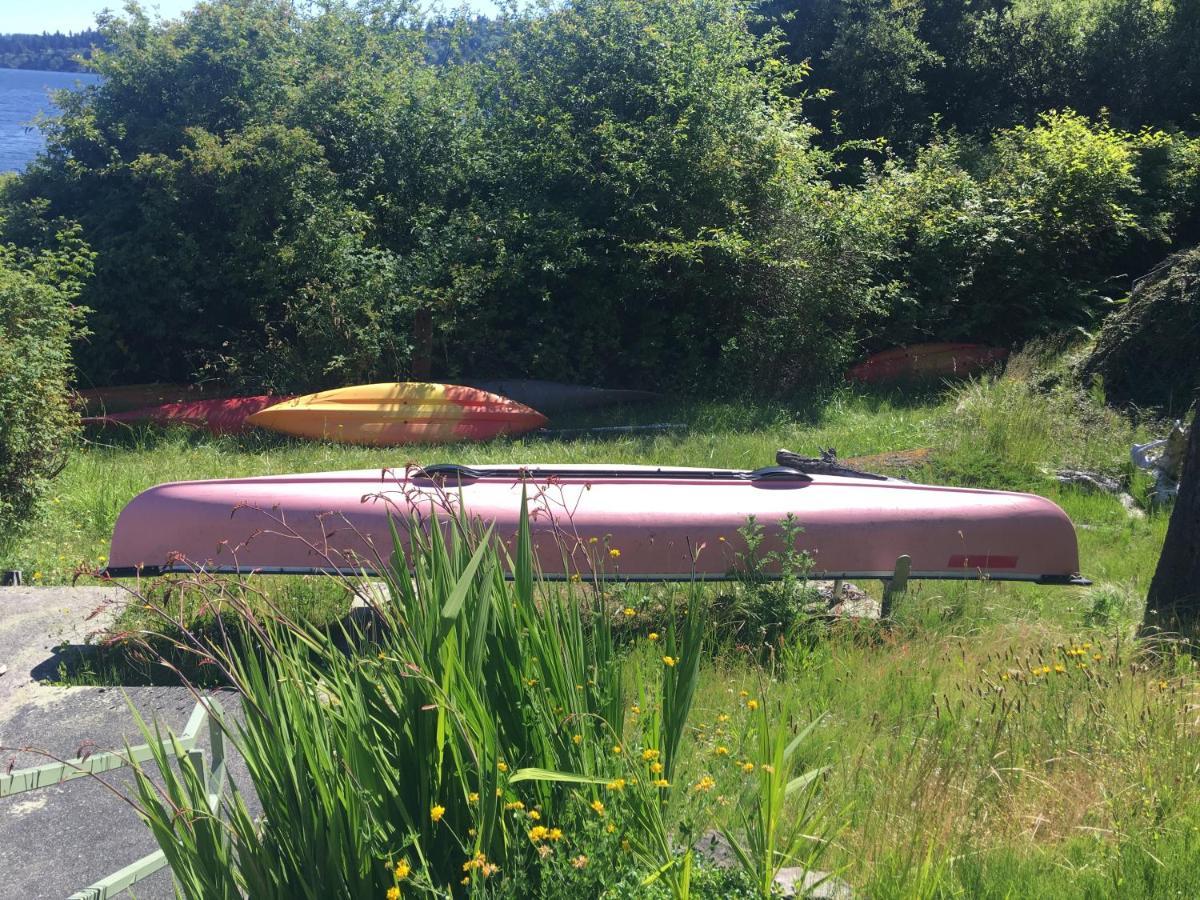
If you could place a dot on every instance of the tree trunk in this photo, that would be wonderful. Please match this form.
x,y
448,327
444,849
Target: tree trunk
x,y
422,354
1174,600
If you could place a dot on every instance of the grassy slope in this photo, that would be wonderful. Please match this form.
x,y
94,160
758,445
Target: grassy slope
x,y
955,768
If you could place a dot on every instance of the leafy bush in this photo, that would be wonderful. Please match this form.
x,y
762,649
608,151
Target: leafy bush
x,y
1021,237
38,321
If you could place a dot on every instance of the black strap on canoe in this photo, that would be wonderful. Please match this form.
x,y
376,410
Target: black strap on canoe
x,y
826,464
452,472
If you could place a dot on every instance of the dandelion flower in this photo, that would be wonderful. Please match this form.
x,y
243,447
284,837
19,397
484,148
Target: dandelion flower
x,y
614,553
652,636
402,869
472,797
502,766
630,612
534,814
707,783
656,767
752,705
393,893
598,807
436,813
554,834
669,661
538,833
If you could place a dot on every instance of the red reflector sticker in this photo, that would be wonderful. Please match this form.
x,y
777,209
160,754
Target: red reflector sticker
x,y
982,561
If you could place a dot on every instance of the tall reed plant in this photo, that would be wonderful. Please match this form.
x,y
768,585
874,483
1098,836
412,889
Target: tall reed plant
x,y
474,739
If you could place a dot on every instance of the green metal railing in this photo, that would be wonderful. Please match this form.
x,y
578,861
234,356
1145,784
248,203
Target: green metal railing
x,y
207,712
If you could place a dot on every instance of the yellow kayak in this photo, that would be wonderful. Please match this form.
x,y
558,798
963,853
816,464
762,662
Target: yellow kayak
x,y
404,412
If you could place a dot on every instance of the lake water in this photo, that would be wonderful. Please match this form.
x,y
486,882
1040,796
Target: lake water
x,y
23,94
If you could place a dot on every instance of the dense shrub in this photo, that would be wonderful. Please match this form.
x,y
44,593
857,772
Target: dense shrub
x,y
1146,352
1029,234
38,321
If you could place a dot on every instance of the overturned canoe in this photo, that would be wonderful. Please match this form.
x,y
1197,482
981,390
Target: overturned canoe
x,y
922,361
633,522
122,398
228,416
554,397
405,412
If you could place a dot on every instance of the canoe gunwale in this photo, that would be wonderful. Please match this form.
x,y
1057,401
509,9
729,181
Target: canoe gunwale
x,y
354,571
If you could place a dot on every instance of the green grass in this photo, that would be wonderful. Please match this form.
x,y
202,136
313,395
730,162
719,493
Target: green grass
x,y
956,768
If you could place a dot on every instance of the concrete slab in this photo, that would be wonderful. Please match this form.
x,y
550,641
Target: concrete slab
x,y
59,839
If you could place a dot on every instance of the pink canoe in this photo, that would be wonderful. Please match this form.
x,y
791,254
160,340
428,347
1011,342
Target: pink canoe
x,y
923,361
633,522
226,416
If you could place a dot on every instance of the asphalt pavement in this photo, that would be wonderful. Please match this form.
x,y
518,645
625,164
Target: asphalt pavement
x,y
58,839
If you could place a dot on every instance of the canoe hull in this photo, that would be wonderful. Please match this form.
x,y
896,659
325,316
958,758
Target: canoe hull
x,y
394,413
921,361
554,397
228,416
663,524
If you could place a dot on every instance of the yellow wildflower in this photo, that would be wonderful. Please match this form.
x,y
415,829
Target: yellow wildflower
x,y
656,767
598,807
743,694
616,748
503,766
707,783
580,861
1059,668
437,812
752,705
534,814
576,578
472,797
516,804
554,834
650,754
630,612
661,783
614,553
652,636
669,660
393,893
610,827
593,540
402,869
577,738
747,767
617,784
721,751
538,833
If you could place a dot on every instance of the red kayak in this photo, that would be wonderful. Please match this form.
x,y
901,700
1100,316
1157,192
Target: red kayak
x,y
126,397
637,522
216,416
918,361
